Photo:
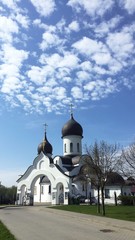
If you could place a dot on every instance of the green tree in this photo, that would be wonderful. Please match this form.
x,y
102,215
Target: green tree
x,y
7,194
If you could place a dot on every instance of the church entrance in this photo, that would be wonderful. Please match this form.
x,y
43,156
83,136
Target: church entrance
x,y
41,190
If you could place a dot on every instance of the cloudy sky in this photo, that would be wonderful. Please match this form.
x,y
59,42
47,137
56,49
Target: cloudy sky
x,y
57,52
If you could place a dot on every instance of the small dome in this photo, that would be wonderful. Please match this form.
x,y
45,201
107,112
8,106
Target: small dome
x,y
72,128
45,147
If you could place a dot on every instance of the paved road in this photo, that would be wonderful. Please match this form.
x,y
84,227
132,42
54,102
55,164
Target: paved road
x,y
41,223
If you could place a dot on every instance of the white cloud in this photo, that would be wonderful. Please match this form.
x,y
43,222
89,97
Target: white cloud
x,y
86,65
24,21
90,86
59,93
100,70
36,75
102,58
92,7
129,5
95,50
115,66
76,92
105,27
74,26
10,3
50,40
61,25
8,27
51,60
83,75
24,101
100,88
68,60
44,7
89,46
121,44
71,57
63,73
10,69
11,55
10,85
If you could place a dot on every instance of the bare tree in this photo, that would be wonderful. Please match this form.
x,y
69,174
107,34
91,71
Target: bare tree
x,y
127,160
100,159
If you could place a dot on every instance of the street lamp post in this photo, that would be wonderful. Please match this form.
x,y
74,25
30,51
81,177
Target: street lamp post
x,y
86,185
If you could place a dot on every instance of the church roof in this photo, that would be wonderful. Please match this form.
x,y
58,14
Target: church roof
x,y
66,160
114,179
70,160
72,127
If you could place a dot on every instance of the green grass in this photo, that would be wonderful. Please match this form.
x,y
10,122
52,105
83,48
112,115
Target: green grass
x,y
5,233
117,212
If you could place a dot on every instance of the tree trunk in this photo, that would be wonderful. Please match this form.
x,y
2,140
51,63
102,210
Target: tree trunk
x,y
103,203
98,203
115,197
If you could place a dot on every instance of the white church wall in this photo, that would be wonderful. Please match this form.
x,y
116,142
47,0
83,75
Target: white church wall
x,y
37,191
57,160
66,145
45,195
110,192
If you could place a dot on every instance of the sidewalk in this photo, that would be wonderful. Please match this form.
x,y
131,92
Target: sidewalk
x,y
37,222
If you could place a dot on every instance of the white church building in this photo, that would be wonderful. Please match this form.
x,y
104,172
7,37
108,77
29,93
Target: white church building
x,y
56,180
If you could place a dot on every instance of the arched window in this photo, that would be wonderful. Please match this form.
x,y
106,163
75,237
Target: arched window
x,y
78,147
71,147
49,190
65,150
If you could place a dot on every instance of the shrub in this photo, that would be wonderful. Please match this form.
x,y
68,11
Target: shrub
x,y
127,200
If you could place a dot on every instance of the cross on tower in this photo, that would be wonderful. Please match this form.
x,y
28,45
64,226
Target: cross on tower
x,y
45,125
44,140
71,109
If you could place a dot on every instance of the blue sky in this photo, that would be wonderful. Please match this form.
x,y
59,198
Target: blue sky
x,y
54,53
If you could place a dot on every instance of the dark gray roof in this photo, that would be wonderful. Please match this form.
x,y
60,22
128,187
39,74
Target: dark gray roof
x,y
45,146
72,127
66,160
114,178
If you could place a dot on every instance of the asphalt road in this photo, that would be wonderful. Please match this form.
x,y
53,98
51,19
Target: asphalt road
x,y
41,223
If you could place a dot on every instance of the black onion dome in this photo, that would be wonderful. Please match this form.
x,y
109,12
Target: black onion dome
x,y
45,146
114,178
72,128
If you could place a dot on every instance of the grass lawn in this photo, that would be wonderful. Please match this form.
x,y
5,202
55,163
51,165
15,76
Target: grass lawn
x,y
117,212
5,233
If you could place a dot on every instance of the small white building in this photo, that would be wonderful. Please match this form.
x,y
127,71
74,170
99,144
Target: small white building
x,y
56,180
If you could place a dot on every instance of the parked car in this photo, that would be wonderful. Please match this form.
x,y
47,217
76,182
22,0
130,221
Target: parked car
x,y
91,200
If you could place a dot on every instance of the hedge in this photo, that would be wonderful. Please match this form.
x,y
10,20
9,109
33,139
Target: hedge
x,y
127,200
